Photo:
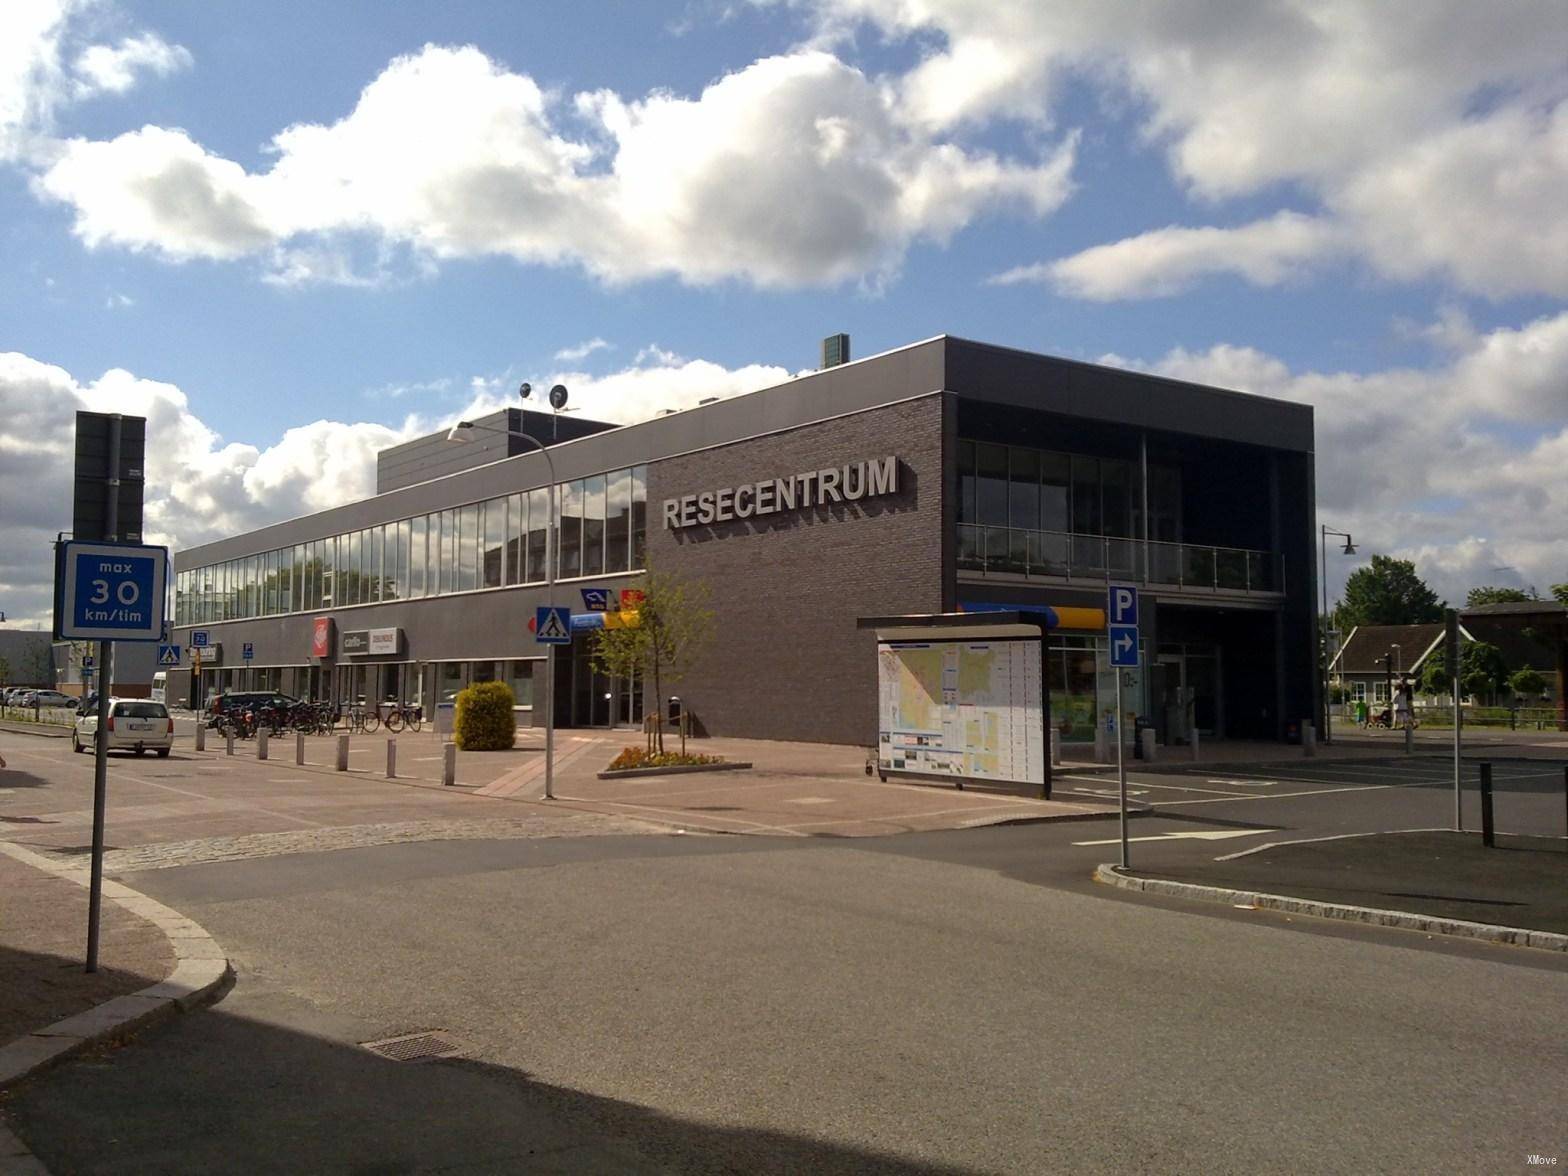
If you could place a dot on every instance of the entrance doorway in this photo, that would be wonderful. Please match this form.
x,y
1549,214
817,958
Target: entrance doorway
x,y
1187,692
598,700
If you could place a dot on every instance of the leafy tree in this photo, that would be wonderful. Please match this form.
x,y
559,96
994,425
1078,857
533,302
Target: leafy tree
x,y
674,624
1479,596
1560,593
1527,683
1388,593
1482,671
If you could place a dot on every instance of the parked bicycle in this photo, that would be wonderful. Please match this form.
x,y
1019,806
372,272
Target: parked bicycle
x,y
402,714
359,718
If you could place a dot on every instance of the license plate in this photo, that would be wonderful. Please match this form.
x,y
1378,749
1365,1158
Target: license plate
x,y
140,726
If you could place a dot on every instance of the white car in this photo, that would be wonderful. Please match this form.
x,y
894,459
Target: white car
x,y
135,724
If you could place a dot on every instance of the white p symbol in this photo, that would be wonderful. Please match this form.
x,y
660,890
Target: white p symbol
x,y
1123,603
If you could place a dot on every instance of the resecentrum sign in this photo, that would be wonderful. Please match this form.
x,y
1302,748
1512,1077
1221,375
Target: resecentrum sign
x,y
847,483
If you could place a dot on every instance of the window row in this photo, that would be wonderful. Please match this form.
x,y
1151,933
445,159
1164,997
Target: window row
x,y
601,529
1072,493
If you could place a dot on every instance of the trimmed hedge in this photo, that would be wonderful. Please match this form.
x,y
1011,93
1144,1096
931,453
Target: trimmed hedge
x,y
484,720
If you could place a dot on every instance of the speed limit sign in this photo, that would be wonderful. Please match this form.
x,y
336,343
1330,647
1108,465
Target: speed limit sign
x,y
110,592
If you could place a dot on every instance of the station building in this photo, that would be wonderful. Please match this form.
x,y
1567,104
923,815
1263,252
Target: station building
x,y
944,476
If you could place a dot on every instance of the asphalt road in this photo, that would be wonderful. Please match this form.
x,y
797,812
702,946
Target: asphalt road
x,y
941,1002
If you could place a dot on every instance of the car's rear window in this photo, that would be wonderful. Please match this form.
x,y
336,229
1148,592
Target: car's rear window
x,y
141,710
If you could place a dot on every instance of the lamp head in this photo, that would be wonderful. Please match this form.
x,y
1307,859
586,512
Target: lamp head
x,y
558,396
525,390
1349,548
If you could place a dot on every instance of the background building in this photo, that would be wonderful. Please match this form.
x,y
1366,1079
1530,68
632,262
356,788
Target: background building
x,y
944,475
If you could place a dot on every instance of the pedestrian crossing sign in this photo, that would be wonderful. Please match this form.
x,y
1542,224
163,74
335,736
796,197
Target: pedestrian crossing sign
x,y
168,655
553,625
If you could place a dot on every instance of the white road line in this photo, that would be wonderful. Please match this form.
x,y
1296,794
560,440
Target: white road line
x,y
1186,835
1284,795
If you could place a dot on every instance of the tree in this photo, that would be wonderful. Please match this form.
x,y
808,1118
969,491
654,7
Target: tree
x,y
1560,593
1388,593
1527,683
1482,671
1479,596
673,625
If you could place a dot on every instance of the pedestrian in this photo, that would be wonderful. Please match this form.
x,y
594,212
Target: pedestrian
x,y
1361,712
1402,705
2,763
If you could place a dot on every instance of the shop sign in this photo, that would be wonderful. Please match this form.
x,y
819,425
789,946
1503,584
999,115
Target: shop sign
x,y
847,483
321,637
371,641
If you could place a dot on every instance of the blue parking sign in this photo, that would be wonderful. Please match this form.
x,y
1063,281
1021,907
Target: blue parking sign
x,y
111,591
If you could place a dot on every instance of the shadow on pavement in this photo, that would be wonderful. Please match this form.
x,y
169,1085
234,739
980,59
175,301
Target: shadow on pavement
x,y
40,988
16,778
218,1092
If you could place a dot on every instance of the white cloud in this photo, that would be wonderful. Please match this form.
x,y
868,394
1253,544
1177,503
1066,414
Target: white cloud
x,y
113,69
1462,467
582,350
1434,135
1167,261
795,170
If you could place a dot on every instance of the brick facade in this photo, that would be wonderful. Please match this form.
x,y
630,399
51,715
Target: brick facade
x,y
786,660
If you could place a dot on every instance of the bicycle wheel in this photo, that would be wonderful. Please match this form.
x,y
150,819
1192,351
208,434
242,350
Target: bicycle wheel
x,y
394,721
370,723
414,722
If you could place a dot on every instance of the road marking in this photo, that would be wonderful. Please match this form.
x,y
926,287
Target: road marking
x,y
1188,834
1246,783
1284,795
1114,793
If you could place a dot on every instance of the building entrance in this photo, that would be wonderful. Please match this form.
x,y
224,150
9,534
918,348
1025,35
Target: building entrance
x,y
1186,692
597,700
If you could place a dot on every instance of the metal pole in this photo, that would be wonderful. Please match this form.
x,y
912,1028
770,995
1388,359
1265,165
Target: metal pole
x,y
1121,769
111,532
549,653
1328,707
1452,644
1488,834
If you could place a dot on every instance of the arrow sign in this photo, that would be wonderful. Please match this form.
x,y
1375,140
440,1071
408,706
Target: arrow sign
x,y
1186,835
1124,646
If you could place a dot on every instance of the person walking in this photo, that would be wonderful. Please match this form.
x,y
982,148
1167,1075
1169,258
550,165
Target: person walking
x,y
1402,700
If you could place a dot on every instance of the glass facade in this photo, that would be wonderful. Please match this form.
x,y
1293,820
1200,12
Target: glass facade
x,y
476,546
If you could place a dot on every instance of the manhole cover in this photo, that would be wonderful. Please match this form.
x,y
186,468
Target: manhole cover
x,y
417,1047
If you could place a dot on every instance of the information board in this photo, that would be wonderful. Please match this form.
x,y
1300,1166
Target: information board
x,y
966,709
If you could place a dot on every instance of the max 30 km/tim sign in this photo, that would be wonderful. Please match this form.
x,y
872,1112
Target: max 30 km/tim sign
x,y
851,482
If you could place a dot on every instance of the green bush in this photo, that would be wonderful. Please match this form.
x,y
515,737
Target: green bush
x,y
484,720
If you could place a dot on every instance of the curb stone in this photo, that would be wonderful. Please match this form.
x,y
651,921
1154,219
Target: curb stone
x,y
1112,875
201,972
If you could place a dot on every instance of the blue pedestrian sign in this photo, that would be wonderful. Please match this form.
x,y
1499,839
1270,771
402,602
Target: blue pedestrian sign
x,y
111,591
596,599
553,625
249,651
199,638
168,655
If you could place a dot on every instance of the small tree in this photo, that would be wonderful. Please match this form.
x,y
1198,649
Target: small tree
x,y
1560,593
484,720
1482,671
1527,683
1480,596
674,624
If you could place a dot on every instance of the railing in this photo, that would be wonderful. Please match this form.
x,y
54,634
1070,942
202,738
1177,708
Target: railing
x,y
1015,551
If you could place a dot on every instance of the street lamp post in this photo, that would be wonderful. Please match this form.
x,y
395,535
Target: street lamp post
x,y
462,432
1348,549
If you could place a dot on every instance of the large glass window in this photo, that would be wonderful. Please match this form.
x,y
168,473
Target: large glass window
x,y
618,521
639,515
1023,496
593,525
516,536
494,563
447,581
1116,483
520,677
1086,495
966,482
570,531
375,554
468,548
329,576
416,557
538,534
991,485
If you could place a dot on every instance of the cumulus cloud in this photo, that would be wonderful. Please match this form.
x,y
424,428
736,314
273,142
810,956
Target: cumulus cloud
x,y
1462,467
112,69
795,170
1433,135
582,350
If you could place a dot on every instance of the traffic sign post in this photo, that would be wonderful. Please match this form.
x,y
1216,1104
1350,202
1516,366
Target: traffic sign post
x,y
1121,612
169,655
596,599
200,639
553,625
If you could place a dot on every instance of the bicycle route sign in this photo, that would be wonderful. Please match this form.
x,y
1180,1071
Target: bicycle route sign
x,y
110,591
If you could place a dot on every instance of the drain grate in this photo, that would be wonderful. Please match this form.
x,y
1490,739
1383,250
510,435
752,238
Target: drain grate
x,y
417,1047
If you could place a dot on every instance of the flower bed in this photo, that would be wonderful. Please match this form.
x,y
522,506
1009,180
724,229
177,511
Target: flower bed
x,y
637,757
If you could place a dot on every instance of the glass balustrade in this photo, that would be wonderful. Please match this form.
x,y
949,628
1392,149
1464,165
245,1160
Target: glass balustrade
x,y
1016,551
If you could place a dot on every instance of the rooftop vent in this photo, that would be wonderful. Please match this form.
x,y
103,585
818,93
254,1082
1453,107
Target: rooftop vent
x,y
835,350
707,400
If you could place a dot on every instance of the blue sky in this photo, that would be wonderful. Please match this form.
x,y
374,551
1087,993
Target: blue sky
x,y
293,233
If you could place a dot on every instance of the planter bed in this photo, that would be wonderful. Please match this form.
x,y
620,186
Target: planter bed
x,y
674,770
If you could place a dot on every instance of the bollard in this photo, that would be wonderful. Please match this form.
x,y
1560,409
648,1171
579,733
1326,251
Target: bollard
x,y
1410,738
201,733
299,747
1102,750
1565,799
391,759
1056,748
230,736
261,743
1193,744
342,753
449,764
1147,735
1309,740
1488,835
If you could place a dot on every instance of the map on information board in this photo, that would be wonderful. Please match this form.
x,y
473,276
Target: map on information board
x,y
970,709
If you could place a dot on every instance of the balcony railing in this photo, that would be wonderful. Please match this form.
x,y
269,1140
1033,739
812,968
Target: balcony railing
x,y
1062,555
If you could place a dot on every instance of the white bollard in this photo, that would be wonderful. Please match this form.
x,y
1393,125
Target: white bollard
x,y
261,743
230,735
1410,739
1102,749
299,747
1309,740
342,753
1148,746
391,759
449,764
201,733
